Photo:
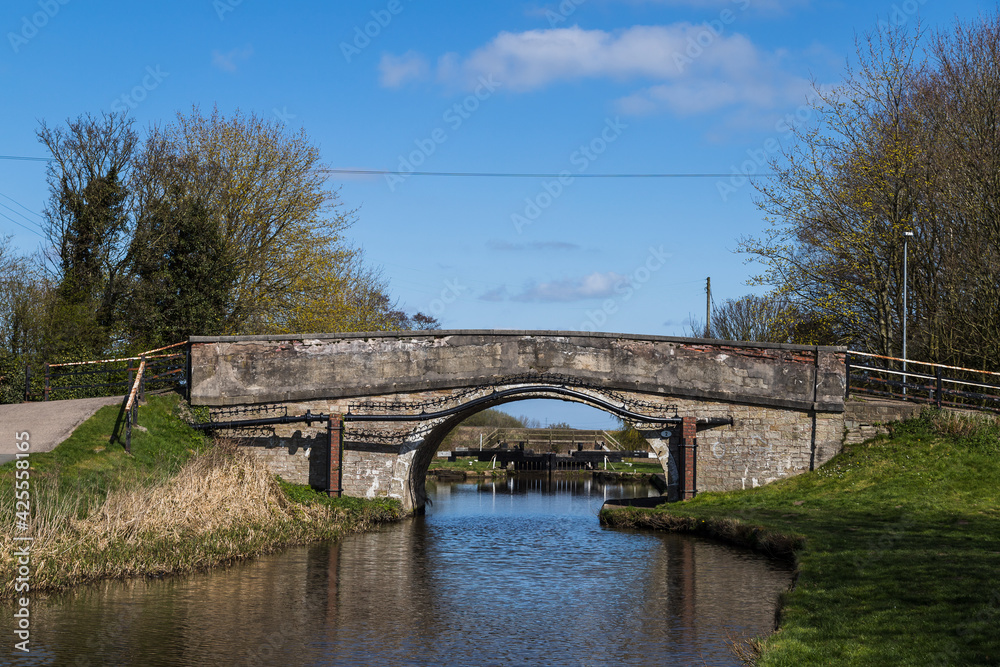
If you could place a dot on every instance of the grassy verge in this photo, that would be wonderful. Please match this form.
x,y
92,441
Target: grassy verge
x,y
178,504
897,543
651,467
468,466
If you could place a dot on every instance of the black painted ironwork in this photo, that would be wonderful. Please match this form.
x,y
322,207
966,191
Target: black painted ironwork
x,y
375,407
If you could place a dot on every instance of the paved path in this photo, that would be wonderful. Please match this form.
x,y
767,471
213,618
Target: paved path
x,y
48,422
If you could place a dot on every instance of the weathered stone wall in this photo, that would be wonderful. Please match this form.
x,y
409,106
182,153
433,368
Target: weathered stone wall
x,y
233,370
762,445
866,419
299,461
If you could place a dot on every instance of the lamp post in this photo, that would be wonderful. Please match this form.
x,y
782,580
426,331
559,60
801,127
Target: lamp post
x,y
906,237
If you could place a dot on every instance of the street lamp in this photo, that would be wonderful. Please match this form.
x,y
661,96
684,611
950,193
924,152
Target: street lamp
x,y
906,237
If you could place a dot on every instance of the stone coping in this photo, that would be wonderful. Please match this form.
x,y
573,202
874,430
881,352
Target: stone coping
x,y
442,333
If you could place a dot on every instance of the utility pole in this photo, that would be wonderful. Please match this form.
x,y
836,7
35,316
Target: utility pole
x,y
708,306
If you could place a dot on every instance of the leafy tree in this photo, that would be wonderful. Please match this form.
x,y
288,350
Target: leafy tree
x,y
843,195
630,438
281,223
183,277
495,418
88,224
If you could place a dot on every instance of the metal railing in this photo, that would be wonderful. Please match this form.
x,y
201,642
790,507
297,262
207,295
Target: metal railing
x,y
68,380
936,384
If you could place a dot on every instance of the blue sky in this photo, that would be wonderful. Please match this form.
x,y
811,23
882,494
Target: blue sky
x,y
574,88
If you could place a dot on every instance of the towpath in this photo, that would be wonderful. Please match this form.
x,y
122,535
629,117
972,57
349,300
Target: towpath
x,y
47,422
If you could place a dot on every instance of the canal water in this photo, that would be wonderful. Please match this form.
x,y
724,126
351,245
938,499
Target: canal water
x,y
510,573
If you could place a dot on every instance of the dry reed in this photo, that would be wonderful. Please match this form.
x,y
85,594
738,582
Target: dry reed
x,y
223,505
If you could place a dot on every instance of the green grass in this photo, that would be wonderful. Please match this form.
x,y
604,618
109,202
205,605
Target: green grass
x,y
897,543
645,467
368,511
88,466
177,504
466,465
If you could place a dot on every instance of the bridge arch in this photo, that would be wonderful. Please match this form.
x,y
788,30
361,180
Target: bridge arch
x,y
434,435
785,402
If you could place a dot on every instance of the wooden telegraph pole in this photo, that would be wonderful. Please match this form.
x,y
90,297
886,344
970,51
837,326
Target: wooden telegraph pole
x,y
708,307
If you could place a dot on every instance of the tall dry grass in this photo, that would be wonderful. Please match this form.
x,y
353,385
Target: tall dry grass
x,y
222,506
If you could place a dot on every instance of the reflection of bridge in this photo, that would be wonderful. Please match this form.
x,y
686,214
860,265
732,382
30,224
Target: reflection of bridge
x,y
392,397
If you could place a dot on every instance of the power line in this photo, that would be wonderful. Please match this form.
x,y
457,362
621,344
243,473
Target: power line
x,y
26,218
26,159
33,231
491,174
21,205
478,174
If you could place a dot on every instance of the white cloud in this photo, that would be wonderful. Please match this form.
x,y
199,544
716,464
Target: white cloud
x,y
397,70
686,68
229,61
536,58
765,90
597,285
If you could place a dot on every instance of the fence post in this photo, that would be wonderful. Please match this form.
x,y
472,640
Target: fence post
x,y
45,391
847,376
937,389
128,431
142,381
27,382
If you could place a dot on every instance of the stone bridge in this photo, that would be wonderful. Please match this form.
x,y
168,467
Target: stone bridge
x,y
762,411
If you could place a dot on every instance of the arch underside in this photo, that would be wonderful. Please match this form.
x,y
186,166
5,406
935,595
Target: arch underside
x,y
369,422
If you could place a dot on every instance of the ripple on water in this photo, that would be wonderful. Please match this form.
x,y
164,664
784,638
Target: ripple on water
x,y
512,573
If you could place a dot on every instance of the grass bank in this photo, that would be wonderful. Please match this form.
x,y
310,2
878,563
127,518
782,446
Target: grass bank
x,y
896,541
467,466
178,504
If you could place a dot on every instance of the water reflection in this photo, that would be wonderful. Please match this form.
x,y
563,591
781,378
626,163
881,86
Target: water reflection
x,y
515,572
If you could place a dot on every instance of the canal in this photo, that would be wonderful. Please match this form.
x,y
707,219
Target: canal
x,y
509,573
